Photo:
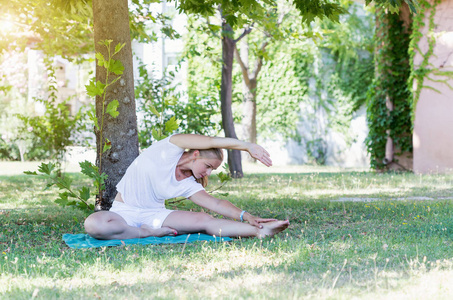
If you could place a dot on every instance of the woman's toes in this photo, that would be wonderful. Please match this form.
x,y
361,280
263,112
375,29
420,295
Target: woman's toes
x,y
168,231
163,231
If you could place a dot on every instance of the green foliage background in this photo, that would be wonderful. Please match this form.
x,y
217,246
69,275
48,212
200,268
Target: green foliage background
x,y
324,68
164,108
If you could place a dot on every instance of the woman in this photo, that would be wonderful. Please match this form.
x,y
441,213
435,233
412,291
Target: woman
x,y
164,171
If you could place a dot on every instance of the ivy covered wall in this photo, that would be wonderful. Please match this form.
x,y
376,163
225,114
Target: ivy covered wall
x,y
389,141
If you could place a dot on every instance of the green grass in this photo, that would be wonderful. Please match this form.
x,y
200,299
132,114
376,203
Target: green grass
x,y
391,248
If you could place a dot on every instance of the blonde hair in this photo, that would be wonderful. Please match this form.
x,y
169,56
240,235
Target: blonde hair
x,y
208,153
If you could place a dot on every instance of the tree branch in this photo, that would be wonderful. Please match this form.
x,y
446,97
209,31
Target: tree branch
x,y
259,61
244,33
244,68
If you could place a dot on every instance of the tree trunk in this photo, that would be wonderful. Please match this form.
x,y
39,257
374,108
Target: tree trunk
x,y
226,90
111,22
392,71
249,102
250,112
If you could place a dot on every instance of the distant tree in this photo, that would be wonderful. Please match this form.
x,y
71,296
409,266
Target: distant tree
x,y
269,28
226,90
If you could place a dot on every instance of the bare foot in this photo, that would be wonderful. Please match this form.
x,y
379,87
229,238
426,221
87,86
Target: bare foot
x,y
163,231
272,228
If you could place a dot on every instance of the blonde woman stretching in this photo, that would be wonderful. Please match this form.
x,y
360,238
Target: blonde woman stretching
x,y
164,171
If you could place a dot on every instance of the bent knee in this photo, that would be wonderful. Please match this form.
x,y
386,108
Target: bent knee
x,y
94,224
90,224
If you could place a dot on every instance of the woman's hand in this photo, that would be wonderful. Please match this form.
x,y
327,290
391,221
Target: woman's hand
x,y
259,153
198,142
256,221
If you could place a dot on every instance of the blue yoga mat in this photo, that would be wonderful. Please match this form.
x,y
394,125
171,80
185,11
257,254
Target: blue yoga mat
x,y
78,241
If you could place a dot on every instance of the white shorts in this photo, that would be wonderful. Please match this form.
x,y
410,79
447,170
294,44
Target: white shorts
x,y
136,217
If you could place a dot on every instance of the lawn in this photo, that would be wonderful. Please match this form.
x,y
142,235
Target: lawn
x,y
352,233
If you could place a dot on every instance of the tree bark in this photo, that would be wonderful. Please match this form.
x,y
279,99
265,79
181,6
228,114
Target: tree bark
x,y
111,22
249,85
226,90
249,94
249,111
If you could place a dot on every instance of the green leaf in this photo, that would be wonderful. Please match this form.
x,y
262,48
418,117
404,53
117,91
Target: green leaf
x,y
92,117
102,178
224,194
107,145
112,108
226,168
72,203
63,199
105,42
171,125
153,109
412,7
84,193
89,169
156,135
116,67
46,168
95,88
171,101
118,47
49,185
224,177
100,58
30,173
64,183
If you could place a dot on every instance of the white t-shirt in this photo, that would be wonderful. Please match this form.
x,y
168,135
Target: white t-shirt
x,y
151,179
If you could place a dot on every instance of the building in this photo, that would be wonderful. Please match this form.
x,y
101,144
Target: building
x,y
433,126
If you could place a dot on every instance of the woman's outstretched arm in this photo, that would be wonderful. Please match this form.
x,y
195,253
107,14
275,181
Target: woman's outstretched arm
x,y
226,208
194,141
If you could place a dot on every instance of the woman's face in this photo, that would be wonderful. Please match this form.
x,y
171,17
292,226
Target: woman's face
x,y
203,166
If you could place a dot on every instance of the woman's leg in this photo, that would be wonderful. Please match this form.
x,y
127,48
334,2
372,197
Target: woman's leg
x,y
192,222
107,225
